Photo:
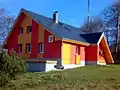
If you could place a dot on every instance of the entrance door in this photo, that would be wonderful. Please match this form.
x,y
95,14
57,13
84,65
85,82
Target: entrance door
x,y
77,59
66,54
82,55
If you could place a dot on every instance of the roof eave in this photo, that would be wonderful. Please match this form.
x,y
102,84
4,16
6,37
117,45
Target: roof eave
x,y
22,11
12,28
75,42
102,35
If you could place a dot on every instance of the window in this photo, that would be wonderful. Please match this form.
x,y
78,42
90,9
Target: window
x,y
101,52
50,39
28,48
77,50
20,48
20,30
41,47
29,29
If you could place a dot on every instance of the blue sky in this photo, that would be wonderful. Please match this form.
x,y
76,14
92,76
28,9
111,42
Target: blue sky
x,y
73,12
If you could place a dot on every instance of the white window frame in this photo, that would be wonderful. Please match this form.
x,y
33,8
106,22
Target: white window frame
x,y
41,45
50,38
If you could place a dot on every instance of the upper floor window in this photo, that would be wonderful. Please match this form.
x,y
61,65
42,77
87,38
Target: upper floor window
x,y
20,48
50,38
20,30
28,48
41,47
29,29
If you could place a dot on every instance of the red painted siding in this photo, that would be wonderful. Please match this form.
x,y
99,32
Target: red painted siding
x,y
34,39
12,42
51,50
91,53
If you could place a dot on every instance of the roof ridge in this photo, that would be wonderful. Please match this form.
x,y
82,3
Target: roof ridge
x,y
48,18
35,13
66,31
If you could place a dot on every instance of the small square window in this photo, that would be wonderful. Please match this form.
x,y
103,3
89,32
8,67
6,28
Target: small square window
x,y
50,39
41,47
20,30
29,29
28,48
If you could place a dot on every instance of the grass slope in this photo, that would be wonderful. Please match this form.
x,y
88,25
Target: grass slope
x,y
83,78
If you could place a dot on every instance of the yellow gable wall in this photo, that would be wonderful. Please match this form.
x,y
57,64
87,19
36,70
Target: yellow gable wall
x,y
25,37
41,34
40,38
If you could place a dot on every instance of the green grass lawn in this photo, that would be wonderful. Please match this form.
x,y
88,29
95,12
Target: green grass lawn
x,y
83,78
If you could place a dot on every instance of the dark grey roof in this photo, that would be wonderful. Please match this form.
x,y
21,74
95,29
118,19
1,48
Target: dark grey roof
x,y
91,38
60,29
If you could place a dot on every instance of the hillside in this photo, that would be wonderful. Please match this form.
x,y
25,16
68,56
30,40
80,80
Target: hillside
x,y
83,78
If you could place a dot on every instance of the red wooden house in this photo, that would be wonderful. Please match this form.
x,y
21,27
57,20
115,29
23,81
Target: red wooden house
x,y
41,40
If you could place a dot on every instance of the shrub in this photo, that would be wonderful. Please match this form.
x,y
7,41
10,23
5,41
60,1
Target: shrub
x,y
10,66
4,78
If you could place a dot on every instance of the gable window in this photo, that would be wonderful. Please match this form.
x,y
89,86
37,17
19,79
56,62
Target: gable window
x,y
29,29
20,48
101,52
50,38
41,45
28,48
20,30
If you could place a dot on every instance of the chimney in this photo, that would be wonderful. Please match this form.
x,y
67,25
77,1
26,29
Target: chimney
x,y
55,16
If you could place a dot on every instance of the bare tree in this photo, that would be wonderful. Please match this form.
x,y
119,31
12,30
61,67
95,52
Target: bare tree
x,y
111,16
95,24
6,22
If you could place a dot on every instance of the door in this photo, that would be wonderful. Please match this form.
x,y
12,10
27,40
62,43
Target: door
x,y
77,56
66,53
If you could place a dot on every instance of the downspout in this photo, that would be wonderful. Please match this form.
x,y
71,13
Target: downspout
x,y
61,52
59,62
